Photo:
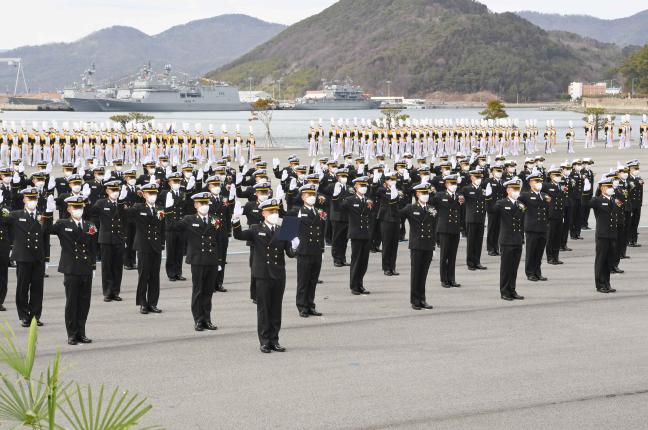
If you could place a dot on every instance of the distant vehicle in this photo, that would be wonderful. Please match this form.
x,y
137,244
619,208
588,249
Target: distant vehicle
x,y
336,96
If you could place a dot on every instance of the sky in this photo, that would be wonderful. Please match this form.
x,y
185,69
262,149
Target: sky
x,y
33,22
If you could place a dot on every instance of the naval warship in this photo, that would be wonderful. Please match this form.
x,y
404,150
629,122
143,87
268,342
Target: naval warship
x,y
152,93
337,96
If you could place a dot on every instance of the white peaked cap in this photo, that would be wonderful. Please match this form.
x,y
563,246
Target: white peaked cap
x,y
34,125
571,123
312,123
355,121
553,123
333,121
645,117
548,123
251,129
238,128
197,126
224,128
320,122
44,125
185,126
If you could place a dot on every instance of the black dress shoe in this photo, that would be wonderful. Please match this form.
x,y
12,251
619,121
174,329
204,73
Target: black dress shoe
x,y
39,323
541,278
560,262
338,264
278,348
116,298
319,281
552,262
455,285
446,285
472,268
480,267
507,298
517,297
180,278
532,278
425,305
108,299
72,341
388,273
416,307
365,292
603,290
265,349
155,309
623,257
314,313
130,268
84,339
254,301
611,290
172,279
199,327
564,248
304,314
144,310
395,273
24,323
616,270
220,289
356,292
210,326
493,253
46,276
2,308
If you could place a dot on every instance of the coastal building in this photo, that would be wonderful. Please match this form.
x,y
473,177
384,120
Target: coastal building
x,y
253,96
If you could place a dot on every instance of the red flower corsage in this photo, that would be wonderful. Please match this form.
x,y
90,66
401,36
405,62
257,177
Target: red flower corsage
x,y
323,215
92,230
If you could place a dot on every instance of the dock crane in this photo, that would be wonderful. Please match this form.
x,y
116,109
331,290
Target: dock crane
x,y
17,63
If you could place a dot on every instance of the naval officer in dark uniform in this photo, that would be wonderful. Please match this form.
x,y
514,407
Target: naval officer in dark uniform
x,y
448,204
268,269
175,201
202,232
475,219
510,213
29,227
77,263
608,212
148,244
309,250
536,218
422,219
557,192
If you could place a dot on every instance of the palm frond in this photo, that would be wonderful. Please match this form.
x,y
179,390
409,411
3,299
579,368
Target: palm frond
x,y
22,363
117,411
23,402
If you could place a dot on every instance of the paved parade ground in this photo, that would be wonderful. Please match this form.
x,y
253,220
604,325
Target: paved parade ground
x,y
567,357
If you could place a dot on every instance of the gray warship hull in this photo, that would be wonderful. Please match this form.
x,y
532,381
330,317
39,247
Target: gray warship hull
x,y
112,105
338,105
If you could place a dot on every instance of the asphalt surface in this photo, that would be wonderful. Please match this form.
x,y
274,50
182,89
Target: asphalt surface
x,y
566,357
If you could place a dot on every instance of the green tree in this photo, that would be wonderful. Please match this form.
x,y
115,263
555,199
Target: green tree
x,y
494,110
133,117
635,71
122,120
600,118
392,115
262,111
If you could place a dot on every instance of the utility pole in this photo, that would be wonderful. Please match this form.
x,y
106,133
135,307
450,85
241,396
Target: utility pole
x,y
388,89
250,81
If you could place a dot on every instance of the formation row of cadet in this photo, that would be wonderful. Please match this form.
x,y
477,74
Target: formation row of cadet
x,y
120,210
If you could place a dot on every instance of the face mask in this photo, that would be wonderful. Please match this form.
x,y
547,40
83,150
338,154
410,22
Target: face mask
x,y
389,184
362,190
609,192
262,197
452,188
175,186
132,182
515,195
537,186
566,172
187,175
586,167
623,176
445,172
324,167
165,163
555,179
615,183
114,195
222,178
578,168
425,179
360,166
423,198
465,167
31,204
481,163
343,180
68,173
203,210
301,177
477,182
636,173
39,184
118,168
539,164
151,170
511,169
310,200
498,175
77,213
215,190
151,199
6,180
99,178
273,218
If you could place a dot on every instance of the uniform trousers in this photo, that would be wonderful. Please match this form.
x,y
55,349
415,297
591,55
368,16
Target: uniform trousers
x,y
474,243
420,265
448,257
308,270
175,244
111,268
203,280
4,272
603,262
554,237
148,283
492,234
510,262
535,246
339,241
269,299
360,249
29,289
390,234
78,292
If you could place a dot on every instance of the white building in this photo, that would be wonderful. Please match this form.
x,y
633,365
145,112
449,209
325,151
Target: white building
x,y
575,90
253,96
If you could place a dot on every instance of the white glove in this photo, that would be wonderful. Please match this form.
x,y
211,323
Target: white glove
x,y
21,168
337,189
201,174
239,178
460,179
241,160
284,175
393,192
488,160
588,185
16,178
123,193
361,170
1,197
51,183
51,204
168,171
232,193
107,174
406,175
409,163
169,200
293,184
228,164
85,191
489,190
191,183
152,179
312,164
81,172
238,211
294,243
279,195
275,163
376,177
